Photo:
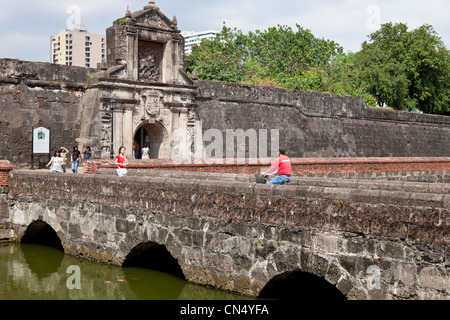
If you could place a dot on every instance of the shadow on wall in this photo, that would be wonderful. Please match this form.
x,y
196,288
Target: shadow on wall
x,y
301,286
40,232
153,256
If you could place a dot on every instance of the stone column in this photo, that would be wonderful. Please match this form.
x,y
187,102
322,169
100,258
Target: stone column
x,y
166,63
127,130
183,133
118,129
132,59
175,64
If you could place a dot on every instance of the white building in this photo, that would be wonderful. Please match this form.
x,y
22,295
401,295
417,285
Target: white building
x,y
77,47
194,38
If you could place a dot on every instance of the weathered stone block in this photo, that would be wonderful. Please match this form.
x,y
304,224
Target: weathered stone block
x,y
389,249
432,278
344,285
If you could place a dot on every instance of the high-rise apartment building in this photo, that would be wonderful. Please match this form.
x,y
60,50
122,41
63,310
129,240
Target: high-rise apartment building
x,y
195,38
78,47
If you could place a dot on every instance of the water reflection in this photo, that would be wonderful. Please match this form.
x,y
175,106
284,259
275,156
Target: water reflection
x,y
34,272
42,263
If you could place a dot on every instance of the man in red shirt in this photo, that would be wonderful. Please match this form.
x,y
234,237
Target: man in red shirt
x,y
283,164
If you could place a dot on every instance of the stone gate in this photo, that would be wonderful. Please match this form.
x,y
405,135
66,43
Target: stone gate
x,y
144,75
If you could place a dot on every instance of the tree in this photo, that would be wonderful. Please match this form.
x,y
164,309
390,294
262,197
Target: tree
x,y
396,67
276,54
406,69
219,59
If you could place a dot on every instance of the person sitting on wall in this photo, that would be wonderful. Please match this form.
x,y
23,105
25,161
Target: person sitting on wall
x,y
283,164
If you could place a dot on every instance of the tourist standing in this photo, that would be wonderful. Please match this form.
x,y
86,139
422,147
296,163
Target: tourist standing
x,y
56,162
136,149
283,164
64,156
75,157
121,162
87,153
146,152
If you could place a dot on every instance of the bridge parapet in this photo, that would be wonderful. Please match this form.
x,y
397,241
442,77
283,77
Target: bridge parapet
x,y
238,236
401,169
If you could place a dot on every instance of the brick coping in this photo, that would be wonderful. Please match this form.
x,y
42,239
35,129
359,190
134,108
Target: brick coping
x,y
5,168
168,162
305,165
5,165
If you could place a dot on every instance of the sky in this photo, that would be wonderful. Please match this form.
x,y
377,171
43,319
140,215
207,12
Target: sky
x,y
26,25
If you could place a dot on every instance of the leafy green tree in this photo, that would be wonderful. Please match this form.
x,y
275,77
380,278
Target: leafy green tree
x,y
406,69
276,54
396,67
219,59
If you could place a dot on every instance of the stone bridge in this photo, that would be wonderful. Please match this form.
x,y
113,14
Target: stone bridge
x,y
339,238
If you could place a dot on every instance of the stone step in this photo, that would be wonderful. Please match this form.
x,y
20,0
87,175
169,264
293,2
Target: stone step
x,y
387,185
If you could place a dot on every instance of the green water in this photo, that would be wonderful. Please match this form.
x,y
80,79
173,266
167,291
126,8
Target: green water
x,y
33,272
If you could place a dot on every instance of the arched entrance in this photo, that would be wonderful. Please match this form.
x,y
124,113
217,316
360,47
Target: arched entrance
x,y
155,136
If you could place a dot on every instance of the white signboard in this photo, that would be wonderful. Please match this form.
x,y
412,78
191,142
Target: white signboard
x,y
41,140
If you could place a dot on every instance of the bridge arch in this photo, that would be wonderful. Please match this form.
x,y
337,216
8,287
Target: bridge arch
x,y
40,232
300,285
152,255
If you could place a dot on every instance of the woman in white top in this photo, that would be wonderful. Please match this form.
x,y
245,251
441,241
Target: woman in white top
x,y
146,152
56,162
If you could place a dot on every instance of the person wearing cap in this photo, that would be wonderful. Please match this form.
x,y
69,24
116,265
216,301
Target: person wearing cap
x,y
283,164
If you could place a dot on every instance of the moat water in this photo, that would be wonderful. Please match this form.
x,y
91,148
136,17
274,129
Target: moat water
x,y
34,272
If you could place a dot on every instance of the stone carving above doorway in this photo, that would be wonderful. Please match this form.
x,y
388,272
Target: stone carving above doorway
x,y
151,108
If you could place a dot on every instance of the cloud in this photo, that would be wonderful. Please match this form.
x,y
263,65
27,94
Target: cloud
x,y
344,21
25,47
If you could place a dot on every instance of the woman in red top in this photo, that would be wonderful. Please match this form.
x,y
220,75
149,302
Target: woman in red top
x,y
121,162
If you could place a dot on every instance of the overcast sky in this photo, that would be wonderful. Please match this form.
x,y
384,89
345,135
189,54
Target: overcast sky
x,y
26,25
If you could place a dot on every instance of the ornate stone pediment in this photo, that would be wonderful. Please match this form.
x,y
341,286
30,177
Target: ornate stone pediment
x,y
153,19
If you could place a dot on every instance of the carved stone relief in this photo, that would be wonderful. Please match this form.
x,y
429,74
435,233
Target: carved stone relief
x,y
151,109
106,133
120,74
155,21
123,45
150,57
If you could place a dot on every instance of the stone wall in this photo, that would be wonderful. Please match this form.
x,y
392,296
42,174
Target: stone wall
x,y
39,94
312,125
6,232
315,125
238,236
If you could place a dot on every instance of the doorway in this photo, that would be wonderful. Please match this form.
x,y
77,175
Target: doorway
x,y
152,135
